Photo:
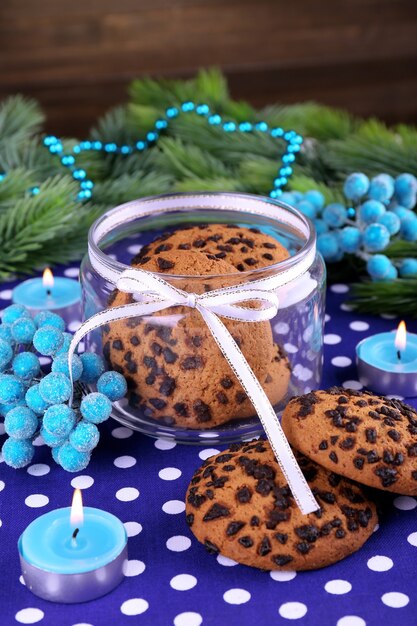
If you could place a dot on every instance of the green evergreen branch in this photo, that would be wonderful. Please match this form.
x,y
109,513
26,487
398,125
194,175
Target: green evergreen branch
x,y
397,297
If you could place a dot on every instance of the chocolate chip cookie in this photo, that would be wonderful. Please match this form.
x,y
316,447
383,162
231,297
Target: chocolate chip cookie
x,y
368,438
239,504
244,248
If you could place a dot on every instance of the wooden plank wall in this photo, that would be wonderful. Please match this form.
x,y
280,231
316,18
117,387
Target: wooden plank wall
x,y
78,56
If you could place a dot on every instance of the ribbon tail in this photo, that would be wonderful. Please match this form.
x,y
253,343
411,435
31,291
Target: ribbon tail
x,y
279,443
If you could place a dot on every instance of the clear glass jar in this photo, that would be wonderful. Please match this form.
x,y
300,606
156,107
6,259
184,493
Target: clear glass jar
x,y
181,386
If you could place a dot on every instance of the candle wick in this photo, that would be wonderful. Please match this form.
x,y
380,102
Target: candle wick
x,y
399,355
75,533
48,292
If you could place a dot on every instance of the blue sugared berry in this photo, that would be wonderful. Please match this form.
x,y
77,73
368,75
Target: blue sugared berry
x,y
71,459
321,226
405,185
408,228
23,330
95,408
11,389
52,440
55,453
375,237
400,210
18,453
21,423
48,340
60,364
379,266
6,333
26,365
47,318
335,215
391,221
93,367
5,408
113,385
35,401
315,197
307,208
288,198
381,188
55,388
371,211
6,354
350,239
13,313
356,185
59,420
66,344
84,437
408,267
328,245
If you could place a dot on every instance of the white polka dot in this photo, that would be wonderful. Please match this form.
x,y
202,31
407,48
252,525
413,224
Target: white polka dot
x,y
82,624
292,610
302,373
347,307
332,339
341,361
405,503
133,567
178,543
74,326
412,539
359,326
338,288
282,328
395,397
173,507
380,563
36,500
388,316
352,384
44,360
207,453
188,619
2,485
223,560
395,599
72,272
351,620
290,349
122,432
135,606
134,249
282,577
127,494
376,527
2,429
6,294
236,596
183,582
29,616
164,444
22,580
38,469
1,523
123,462
169,473
338,587
82,482
38,441
132,528
327,318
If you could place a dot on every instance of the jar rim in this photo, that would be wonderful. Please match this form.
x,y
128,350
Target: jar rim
x,y
280,266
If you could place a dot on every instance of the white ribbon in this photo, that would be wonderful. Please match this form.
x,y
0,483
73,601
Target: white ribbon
x,y
153,293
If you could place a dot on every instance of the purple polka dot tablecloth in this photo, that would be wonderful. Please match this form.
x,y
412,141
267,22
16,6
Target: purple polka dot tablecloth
x,y
170,579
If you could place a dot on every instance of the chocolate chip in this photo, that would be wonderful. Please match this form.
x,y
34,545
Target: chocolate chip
x,y
412,450
167,386
387,475
282,559
347,444
156,348
281,537
184,246
246,542
197,340
226,383
191,363
323,445
158,403
269,245
370,435
255,521
215,512
223,458
308,532
149,362
333,457
250,261
358,462
334,439
268,256
394,434
164,264
202,410
240,267
164,247
264,547
234,528
131,367
222,398
169,355
150,379
264,486
117,344
244,495
199,243
340,533
211,547
303,547
135,341
372,456
190,519
240,397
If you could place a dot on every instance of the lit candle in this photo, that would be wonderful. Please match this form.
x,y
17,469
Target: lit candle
x,y
387,363
73,554
50,293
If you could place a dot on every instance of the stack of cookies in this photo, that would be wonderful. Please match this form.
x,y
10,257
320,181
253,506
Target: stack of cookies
x,y
346,442
175,371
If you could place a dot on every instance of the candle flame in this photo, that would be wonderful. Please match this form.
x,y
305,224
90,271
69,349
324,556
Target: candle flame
x,y
401,337
77,511
48,278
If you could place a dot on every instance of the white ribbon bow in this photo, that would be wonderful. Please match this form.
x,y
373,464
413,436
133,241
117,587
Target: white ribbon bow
x,y
152,293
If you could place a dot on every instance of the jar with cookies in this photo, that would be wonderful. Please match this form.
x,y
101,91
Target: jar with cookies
x,y
198,299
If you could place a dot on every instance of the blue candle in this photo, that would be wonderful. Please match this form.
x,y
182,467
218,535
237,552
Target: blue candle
x,y
73,561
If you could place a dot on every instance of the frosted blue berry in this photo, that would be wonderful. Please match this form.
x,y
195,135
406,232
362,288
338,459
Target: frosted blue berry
x,y
328,245
13,313
93,367
52,440
307,208
113,385
335,215
26,365
35,401
409,201
356,185
84,437
55,453
47,318
23,330
371,211
71,459
405,184
60,364
375,237
66,344
321,226
5,408
18,453
408,228
391,221
95,408
316,198
11,389
6,333
408,267
59,420
6,354
381,188
297,195
400,211
48,340
350,239
288,198
392,275
21,423
55,388
379,266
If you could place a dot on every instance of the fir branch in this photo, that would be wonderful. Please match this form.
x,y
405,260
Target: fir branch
x,y
400,249
207,184
302,183
20,119
15,184
311,119
182,160
127,187
395,297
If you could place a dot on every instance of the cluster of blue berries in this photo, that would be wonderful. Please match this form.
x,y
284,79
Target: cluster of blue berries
x,y
376,211
35,404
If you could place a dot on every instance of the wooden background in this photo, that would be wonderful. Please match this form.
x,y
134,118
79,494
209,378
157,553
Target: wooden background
x,y
78,56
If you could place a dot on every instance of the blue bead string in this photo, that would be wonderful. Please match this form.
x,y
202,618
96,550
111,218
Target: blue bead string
x,y
293,142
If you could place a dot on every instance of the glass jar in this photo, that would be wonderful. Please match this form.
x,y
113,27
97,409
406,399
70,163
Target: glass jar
x,y
180,385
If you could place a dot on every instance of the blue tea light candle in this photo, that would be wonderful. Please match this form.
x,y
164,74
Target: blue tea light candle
x,y
73,554
387,363
50,293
